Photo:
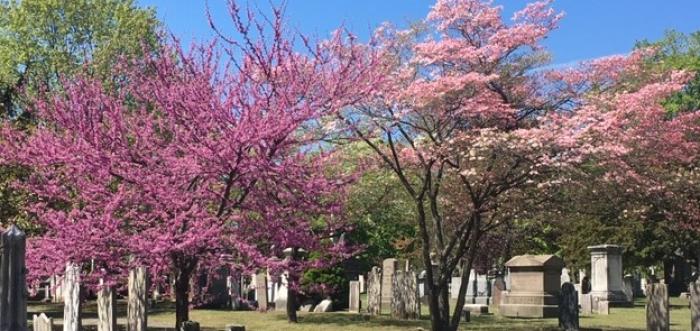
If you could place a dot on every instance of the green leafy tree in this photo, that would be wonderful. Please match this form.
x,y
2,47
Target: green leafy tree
x,y
43,40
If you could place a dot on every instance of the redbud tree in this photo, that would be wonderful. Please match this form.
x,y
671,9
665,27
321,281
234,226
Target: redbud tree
x,y
196,160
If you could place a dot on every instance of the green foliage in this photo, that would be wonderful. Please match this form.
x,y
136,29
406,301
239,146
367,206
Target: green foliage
x,y
42,40
381,211
681,52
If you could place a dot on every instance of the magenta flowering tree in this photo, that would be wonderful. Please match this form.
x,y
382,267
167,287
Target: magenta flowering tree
x,y
192,161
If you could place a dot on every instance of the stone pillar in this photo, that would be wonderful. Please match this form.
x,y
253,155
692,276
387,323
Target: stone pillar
x,y
13,284
695,306
606,275
354,300
261,290
389,267
374,292
42,323
363,286
137,310
282,293
106,310
234,291
657,308
568,308
411,297
71,298
398,303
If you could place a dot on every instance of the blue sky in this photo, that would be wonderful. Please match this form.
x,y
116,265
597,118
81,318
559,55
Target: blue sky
x,y
591,28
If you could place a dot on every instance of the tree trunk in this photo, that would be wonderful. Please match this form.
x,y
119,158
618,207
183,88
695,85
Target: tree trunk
x,y
292,305
182,293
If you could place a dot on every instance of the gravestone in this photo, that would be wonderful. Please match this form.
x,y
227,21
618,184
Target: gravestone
x,y
374,291
261,291
363,285
234,327
657,308
137,310
565,277
325,306
71,298
628,287
13,284
106,310
282,294
234,290
410,293
568,308
42,323
354,300
189,326
586,303
482,292
389,268
695,306
535,288
606,275
405,303
497,288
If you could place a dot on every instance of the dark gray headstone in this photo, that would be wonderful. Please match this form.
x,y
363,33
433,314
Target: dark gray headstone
x,y
568,308
13,286
189,326
657,308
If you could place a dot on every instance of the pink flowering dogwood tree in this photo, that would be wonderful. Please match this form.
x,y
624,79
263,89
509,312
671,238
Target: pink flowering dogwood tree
x,y
193,160
470,121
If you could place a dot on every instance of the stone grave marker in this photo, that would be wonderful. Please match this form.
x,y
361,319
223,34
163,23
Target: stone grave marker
x,y
106,310
71,298
354,300
13,284
657,308
42,323
137,309
374,291
568,308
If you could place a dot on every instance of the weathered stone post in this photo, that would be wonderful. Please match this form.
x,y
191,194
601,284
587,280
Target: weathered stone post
x,y
568,308
42,323
137,310
695,306
71,298
106,310
374,292
657,308
13,285
354,300
398,302
389,268
606,276
261,290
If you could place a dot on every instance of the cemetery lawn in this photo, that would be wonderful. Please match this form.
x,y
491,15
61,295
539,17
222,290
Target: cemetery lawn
x,y
163,317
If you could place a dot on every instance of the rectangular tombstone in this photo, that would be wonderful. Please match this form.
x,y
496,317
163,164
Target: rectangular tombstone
x,y
13,284
106,310
657,308
455,283
586,304
374,292
694,306
354,303
137,310
42,323
482,293
497,288
71,298
534,288
389,268
234,291
261,290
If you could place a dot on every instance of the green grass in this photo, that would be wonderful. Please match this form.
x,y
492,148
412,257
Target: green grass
x,y
162,318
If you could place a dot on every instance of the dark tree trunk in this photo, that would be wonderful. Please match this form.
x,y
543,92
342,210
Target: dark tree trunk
x,y
292,295
182,291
